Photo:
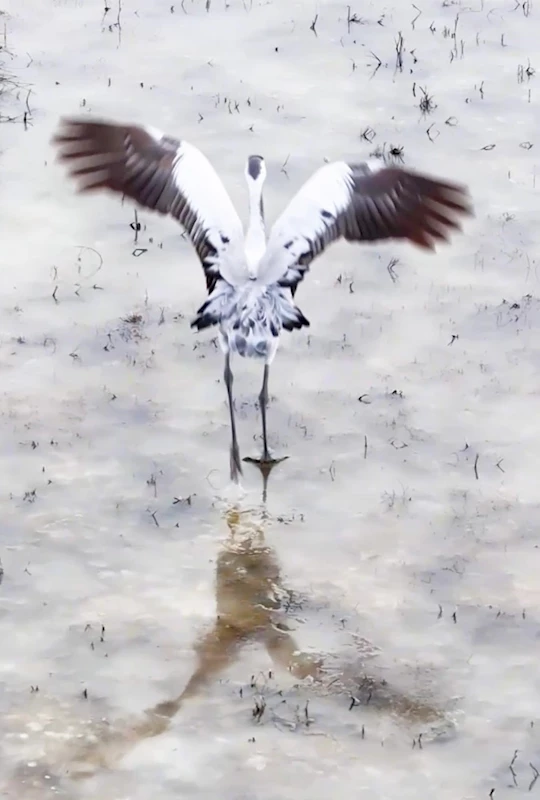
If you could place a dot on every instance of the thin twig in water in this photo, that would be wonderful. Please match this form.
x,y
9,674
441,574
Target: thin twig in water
x,y
535,773
352,18
426,104
399,52
135,226
92,250
118,23
511,768
391,264
379,64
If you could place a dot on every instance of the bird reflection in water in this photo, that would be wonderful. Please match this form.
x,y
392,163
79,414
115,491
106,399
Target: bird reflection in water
x,y
251,607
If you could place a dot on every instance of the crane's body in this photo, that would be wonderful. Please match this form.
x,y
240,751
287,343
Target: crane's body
x,y
252,278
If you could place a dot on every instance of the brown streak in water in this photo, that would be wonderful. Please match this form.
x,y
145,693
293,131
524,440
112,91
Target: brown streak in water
x,y
249,602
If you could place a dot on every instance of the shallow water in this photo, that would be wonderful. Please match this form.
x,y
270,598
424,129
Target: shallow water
x,y
373,629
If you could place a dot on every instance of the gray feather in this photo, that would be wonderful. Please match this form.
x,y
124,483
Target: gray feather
x,y
251,318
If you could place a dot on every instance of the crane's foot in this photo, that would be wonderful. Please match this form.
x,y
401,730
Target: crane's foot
x,y
266,461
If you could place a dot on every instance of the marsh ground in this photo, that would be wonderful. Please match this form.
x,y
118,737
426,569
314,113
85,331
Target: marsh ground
x,y
390,589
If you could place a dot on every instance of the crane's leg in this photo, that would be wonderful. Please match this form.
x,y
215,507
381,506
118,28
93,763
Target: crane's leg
x,y
236,466
266,462
263,403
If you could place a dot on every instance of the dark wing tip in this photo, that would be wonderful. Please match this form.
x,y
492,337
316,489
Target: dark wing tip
x,y
394,202
72,128
454,196
95,153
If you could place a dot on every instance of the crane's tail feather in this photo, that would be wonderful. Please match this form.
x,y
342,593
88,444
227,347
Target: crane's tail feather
x,y
296,320
250,321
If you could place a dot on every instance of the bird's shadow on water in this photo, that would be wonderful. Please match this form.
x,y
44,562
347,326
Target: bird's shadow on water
x,y
253,605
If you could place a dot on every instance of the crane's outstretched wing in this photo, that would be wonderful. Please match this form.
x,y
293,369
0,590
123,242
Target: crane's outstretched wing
x,y
359,202
164,174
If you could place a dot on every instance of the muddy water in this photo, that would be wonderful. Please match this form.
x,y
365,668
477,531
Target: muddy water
x,y
372,628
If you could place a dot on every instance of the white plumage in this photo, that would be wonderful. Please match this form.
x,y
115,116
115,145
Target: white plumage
x,y
215,213
252,282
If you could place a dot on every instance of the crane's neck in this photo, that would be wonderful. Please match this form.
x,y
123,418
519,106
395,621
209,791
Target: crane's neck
x,y
256,231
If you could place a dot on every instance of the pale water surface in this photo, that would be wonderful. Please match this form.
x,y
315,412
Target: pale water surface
x,y
375,630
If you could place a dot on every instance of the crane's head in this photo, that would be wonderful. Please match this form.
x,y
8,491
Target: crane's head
x,y
255,171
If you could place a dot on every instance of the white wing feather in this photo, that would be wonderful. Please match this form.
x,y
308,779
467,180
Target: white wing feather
x,y
360,202
163,174
205,194
301,223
